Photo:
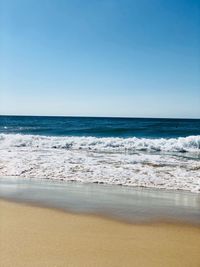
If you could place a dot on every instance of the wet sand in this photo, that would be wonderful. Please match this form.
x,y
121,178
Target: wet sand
x,y
36,236
133,205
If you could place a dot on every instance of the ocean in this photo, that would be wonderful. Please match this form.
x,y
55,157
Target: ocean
x,y
139,152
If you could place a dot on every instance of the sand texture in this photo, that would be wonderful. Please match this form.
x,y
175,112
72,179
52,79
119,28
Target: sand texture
x,y
35,236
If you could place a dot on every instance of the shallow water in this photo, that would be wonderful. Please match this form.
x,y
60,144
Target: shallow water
x,y
122,203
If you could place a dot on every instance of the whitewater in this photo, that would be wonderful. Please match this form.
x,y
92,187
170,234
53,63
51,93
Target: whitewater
x,y
167,163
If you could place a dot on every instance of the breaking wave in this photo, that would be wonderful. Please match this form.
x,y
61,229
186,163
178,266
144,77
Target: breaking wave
x,y
107,144
160,163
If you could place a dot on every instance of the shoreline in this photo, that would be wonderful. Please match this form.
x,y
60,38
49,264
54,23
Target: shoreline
x,y
130,205
48,237
103,216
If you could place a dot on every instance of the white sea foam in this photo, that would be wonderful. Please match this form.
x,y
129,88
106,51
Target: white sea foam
x,y
109,144
158,163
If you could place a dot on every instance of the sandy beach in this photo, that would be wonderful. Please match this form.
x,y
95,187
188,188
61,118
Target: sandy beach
x,y
99,133
36,236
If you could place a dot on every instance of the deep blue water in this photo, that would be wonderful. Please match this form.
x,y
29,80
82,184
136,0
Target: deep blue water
x,y
99,127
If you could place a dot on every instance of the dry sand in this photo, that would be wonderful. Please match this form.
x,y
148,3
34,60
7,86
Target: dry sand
x,y
34,236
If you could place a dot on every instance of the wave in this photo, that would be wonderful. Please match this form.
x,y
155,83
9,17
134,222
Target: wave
x,y
106,144
88,160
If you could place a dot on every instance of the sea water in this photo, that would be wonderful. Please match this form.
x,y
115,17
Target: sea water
x,y
156,153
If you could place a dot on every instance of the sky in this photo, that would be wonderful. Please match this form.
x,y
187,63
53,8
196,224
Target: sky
x,y
132,58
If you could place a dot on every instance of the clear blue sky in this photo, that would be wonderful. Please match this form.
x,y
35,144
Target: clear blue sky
x,y
100,58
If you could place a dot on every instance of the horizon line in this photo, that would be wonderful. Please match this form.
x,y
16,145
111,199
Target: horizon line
x,y
86,116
